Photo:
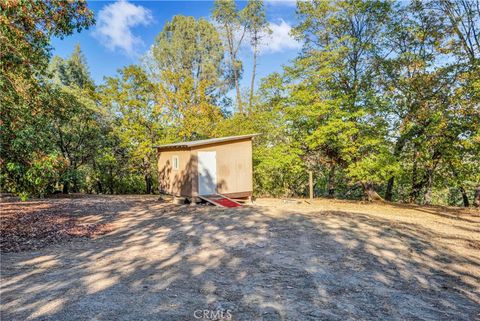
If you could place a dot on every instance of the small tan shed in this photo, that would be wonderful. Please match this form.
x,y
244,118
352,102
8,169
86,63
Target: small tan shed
x,y
206,167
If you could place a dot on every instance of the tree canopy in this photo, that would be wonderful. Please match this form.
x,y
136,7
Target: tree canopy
x,y
381,102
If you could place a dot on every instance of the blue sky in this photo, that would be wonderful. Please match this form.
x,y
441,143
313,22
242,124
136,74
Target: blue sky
x,y
125,30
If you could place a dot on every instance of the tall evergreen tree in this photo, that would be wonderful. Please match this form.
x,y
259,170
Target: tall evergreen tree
x,y
75,122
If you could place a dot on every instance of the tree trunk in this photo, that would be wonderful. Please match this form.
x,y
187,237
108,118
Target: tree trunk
x,y
75,188
389,191
331,182
252,84
466,203
233,58
237,86
476,198
99,187
110,183
147,174
399,145
148,183
426,180
415,191
66,188
427,196
310,185
370,193
396,153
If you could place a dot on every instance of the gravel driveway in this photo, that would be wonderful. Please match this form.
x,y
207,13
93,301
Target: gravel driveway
x,y
272,261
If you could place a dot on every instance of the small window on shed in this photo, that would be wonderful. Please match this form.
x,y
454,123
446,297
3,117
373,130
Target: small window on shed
x,y
175,162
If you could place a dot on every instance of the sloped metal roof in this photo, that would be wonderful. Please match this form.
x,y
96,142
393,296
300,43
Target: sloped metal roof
x,y
204,142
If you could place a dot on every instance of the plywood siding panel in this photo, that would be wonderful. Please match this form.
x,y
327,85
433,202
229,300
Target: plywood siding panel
x,y
176,182
234,169
234,166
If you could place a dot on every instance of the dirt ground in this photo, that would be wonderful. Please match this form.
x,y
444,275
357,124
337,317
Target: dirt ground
x,y
274,260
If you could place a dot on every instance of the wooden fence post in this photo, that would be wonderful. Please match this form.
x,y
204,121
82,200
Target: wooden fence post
x,y
310,183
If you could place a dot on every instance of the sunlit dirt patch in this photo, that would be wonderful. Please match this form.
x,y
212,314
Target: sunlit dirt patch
x,y
273,260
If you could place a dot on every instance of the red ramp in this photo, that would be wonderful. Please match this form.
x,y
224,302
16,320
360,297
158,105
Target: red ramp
x,y
219,200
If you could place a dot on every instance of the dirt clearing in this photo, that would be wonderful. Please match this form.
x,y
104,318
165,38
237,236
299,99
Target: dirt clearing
x,y
328,260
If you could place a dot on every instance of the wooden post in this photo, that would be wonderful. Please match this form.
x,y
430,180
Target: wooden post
x,y
310,183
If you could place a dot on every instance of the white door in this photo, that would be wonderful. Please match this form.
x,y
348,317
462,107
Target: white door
x,y
207,173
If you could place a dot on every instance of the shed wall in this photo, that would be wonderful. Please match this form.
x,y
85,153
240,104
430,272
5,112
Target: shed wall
x,y
234,166
234,169
176,182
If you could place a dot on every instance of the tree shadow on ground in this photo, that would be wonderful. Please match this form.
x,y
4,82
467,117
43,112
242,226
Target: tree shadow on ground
x,y
460,213
164,262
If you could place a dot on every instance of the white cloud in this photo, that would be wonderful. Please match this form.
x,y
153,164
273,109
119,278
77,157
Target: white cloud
x,y
115,22
279,40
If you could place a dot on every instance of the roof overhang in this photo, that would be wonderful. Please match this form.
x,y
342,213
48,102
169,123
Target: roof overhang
x,y
195,143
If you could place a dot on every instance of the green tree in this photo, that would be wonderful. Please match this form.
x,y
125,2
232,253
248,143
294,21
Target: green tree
x,y
26,28
408,79
335,111
75,118
422,82
137,119
25,31
277,158
230,21
464,26
187,68
76,132
189,48
257,27
72,72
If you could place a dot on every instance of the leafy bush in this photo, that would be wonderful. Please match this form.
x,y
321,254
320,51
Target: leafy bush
x,y
37,178
278,170
23,196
